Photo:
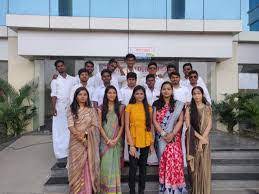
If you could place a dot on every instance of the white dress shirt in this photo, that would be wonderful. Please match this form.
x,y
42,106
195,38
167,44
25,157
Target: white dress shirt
x,y
186,82
140,75
61,88
181,93
99,94
158,84
93,81
89,88
126,94
114,81
152,95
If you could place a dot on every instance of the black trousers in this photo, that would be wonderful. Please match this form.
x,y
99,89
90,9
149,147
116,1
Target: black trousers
x,y
133,164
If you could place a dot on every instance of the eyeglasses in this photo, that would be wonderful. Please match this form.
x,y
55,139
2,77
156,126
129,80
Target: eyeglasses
x,y
193,76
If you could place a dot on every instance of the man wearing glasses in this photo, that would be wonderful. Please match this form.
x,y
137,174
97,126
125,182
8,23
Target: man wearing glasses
x,y
193,78
187,67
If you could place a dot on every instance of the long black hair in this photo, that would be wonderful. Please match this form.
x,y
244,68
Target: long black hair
x,y
160,102
145,103
75,106
195,118
105,105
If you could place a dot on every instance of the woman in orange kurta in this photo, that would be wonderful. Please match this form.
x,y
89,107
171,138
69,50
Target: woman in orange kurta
x,y
138,127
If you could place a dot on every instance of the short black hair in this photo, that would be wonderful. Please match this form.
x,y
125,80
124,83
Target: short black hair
x,y
112,60
132,75
150,76
193,72
130,55
174,73
187,64
58,61
83,70
152,63
106,71
89,62
170,66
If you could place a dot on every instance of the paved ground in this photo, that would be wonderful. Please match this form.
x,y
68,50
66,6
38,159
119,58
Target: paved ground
x,y
25,164
24,170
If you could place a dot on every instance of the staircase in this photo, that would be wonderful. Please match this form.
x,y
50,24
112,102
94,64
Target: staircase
x,y
234,171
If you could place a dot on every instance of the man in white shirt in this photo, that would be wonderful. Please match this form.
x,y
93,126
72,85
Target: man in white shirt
x,y
152,70
117,77
84,78
60,98
130,60
187,67
170,68
193,77
98,94
151,92
180,92
94,79
126,92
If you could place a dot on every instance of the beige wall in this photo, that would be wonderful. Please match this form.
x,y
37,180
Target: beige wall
x,y
227,75
227,79
20,69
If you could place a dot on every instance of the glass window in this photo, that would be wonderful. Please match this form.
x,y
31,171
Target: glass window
x,y
244,14
3,11
185,9
109,9
147,9
222,9
248,77
78,8
29,7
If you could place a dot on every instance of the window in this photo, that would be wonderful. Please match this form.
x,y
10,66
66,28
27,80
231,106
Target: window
x,y
248,77
65,7
178,9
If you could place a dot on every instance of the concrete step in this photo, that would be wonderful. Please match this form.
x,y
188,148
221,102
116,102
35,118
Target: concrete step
x,y
235,187
251,154
233,168
218,187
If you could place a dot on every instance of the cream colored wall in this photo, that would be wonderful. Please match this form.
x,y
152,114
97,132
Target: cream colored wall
x,y
227,75
227,79
20,69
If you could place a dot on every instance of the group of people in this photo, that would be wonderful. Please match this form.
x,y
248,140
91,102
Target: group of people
x,y
102,120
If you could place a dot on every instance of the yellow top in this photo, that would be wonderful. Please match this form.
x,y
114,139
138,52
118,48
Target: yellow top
x,y
137,119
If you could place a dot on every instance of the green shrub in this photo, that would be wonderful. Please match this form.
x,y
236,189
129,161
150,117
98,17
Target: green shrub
x,y
17,107
235,108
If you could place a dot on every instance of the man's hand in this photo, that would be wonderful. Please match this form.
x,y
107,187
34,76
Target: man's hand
x,y
55,76
54,112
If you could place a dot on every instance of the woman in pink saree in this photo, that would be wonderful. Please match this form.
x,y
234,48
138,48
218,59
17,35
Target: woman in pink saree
x,y
83,158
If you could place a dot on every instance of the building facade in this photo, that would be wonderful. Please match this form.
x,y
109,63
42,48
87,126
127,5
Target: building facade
x,y
211,34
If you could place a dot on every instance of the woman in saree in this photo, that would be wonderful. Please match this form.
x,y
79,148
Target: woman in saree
x,y
111,115
199,123
83,157
168,122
